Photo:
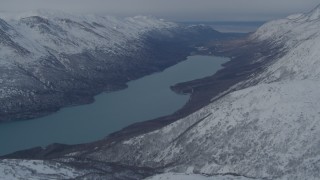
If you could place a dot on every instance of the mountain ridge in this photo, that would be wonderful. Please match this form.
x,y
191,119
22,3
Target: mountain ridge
x,y
264,127
51,60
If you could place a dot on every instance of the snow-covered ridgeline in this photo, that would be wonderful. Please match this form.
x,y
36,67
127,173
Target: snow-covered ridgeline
x,y
268,130
46,54
293,28
41,32
300,36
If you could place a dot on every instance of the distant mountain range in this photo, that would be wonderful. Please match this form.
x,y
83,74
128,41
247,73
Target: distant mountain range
x,y
230,26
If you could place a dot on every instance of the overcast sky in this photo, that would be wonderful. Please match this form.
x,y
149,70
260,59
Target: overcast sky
x,y
177,10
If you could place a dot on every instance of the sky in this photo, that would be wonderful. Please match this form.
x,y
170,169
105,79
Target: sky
x,y
175,10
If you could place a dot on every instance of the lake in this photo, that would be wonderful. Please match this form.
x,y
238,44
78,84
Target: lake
x,y
146,98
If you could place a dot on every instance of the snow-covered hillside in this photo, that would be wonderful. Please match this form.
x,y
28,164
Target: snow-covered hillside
x,y
47,52
267,127
270,129
53,59
35,169
44,32
179,176
300,37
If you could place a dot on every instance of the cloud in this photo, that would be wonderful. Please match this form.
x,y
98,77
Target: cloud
x,y
172,9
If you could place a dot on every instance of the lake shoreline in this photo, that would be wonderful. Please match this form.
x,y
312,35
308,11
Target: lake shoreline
x,y
145,98
201,90
88,96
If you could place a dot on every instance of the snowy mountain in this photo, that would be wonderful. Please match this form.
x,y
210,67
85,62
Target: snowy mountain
x,y
35,169
53,59
267,126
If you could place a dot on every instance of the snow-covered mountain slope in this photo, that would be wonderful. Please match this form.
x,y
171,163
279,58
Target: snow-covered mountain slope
x,y
179,176
42,32
35,169
52,59
300,37
68,169
266,127
266,131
